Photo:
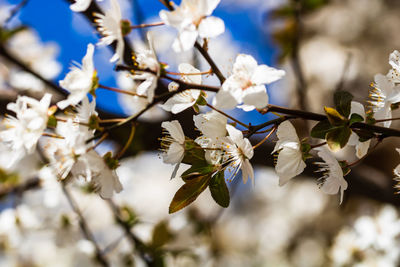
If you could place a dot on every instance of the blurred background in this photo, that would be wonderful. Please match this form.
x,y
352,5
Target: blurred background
x,y
322,45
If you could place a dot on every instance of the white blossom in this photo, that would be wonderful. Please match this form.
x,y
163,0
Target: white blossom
x,y
394,61
109,25
383,94
237,154
147,59
173,144
213,127
27,127
332,180
246,84
192,19
79,81
290,158
361,147
188,98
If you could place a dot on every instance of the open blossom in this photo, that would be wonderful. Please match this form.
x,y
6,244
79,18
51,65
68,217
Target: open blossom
x,y
354,140
213,127
192,19
332,180
383,94
246,84
290,158
237,154
147,59
27,127
188,98
109,25
173,144
79,81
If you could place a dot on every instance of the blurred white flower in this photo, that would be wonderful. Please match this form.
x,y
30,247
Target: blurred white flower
x,y
192,19
290,158
394,61
332,180
27,127
188,98
246,84
173,144
79,81
109,25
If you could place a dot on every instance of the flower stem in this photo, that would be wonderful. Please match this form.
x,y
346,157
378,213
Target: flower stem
x,y
128,143
102,138
187,74
228,116
120,91
147,25
266,137
318,145
53,135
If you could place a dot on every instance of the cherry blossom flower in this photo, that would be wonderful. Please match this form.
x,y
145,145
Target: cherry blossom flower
x,y
246,84
109,25
332,180
383,94
27,127
354,140
237,154
147,59
290,161
188,98
173,144
213,127
79,81
192,19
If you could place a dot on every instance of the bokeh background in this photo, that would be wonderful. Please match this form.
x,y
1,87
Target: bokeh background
x,y
339,44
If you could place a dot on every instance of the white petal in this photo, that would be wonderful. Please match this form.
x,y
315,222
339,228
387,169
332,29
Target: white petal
x,y
184,41
357,108
174,154
175,130
210,6
247,171
187,68
362,148
290,164
245,63
224,100
264,74
211,27
235,134
80,5
255,96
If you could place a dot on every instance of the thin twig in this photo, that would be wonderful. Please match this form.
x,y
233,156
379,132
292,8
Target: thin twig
x,y
84,227
128,143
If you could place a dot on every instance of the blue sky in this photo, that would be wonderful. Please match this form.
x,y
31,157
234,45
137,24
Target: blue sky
x,y
54,22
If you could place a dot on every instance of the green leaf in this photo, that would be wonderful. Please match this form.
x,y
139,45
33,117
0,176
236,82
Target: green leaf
x,y
189,192
196,170
321,129
338,138
194,154
342,100
355,118
161,235
219,190
52,122
201,101
334,117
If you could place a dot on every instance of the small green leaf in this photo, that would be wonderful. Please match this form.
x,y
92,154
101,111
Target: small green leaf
x,y
196,170
321,129
189,192
219,190
161,235
201,101
52,122
338,138
342,101
194,154
355,118
111,162
334,117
